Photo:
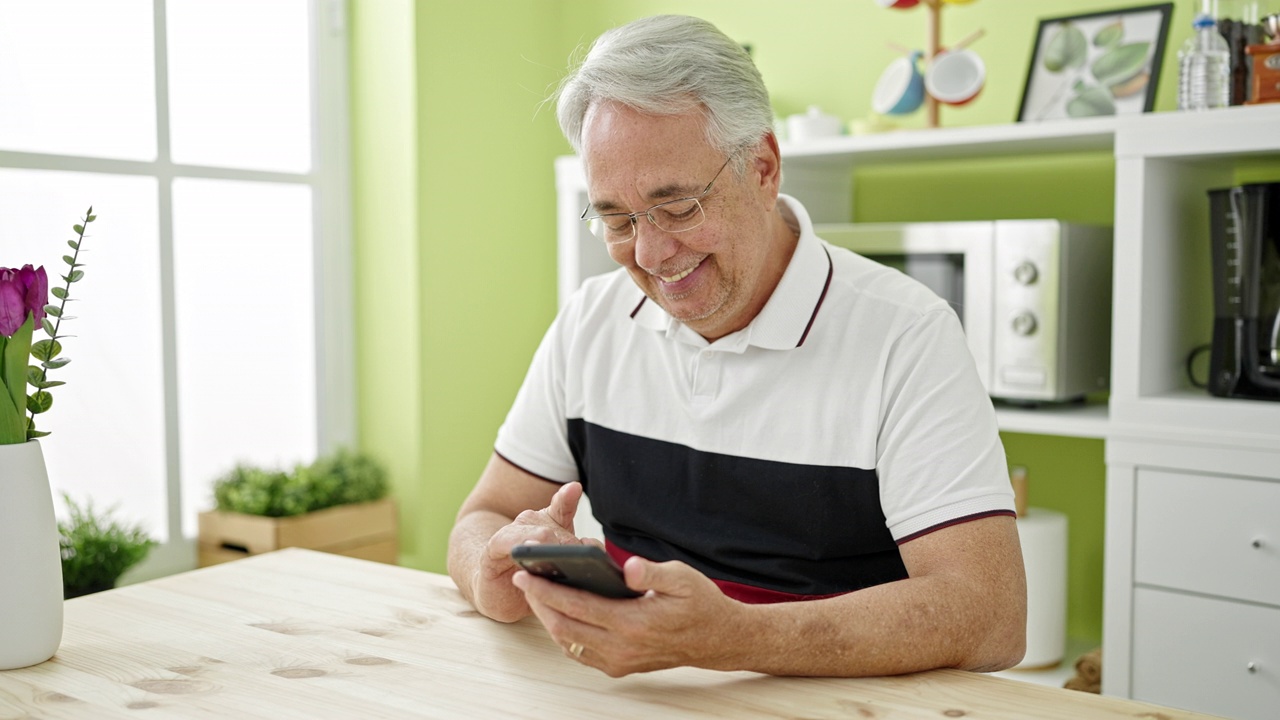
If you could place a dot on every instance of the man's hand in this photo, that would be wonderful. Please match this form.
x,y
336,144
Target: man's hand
x,y
493,593
683,619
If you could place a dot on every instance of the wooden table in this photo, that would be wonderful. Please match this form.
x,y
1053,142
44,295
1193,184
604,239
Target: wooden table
x,y
302,634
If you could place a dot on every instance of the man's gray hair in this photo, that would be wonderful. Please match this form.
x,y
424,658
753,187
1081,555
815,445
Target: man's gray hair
x,y
669,65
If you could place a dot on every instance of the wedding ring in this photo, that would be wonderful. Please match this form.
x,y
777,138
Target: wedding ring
x,y
575,650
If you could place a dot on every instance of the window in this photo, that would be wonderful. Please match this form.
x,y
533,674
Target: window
x,y
213,323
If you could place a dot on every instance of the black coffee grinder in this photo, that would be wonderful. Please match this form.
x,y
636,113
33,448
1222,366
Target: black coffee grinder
x,y
1244,359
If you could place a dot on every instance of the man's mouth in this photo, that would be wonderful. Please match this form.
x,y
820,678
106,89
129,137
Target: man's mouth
x,y
678,276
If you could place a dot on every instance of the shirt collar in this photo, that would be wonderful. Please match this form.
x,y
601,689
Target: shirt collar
x,y
784,321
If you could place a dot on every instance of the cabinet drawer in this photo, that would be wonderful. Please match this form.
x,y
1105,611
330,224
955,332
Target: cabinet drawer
x,y
1211,534
1195,653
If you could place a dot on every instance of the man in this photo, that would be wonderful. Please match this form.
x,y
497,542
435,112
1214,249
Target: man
x,y
786,444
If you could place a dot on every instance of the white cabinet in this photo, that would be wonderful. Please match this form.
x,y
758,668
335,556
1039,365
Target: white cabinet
x,y
1192,605
1206,654
1232,552
1191,479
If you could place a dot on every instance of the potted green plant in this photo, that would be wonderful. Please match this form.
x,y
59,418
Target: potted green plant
x,y
97,548
336,504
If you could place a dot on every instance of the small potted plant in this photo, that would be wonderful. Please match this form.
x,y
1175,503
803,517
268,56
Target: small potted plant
x,y
97,548
336,504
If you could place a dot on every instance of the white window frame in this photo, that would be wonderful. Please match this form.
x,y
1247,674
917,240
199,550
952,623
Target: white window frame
x,y
329,180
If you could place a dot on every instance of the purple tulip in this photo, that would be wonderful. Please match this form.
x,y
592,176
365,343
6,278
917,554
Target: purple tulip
x,y
37,290
22,291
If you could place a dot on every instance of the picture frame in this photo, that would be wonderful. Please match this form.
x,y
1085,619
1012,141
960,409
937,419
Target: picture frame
x,y
1096,64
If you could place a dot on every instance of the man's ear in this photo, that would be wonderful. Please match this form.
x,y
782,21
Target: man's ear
x,y
766,168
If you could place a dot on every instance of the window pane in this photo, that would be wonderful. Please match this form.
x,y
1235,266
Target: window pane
x,y
245,312
77,77
240,83
108,420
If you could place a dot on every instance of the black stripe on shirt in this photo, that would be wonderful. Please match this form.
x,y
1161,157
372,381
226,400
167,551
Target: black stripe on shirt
x,y
801,529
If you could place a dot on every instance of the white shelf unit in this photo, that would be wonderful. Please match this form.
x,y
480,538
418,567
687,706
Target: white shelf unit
x,y
1164,167
820,173
1191,600
1083,421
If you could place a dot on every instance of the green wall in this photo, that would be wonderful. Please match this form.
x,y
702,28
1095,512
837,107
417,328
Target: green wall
x,y
454,234
455,209
384,172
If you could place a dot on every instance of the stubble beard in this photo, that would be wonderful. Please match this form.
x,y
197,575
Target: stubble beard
x,y
716,303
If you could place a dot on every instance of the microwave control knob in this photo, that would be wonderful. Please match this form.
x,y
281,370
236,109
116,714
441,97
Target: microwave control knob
x,y
1024,323
1026,273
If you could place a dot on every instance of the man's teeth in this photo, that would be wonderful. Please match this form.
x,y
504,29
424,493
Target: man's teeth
x,y
678,278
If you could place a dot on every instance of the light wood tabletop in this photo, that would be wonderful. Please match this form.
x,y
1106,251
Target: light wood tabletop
x,y
301,634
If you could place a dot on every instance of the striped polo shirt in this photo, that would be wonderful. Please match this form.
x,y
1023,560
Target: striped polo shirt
x,y
791,456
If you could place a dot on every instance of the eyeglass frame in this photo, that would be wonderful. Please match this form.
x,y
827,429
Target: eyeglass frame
x,y
635,216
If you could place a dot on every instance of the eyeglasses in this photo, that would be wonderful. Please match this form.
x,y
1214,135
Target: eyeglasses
x,y
673,216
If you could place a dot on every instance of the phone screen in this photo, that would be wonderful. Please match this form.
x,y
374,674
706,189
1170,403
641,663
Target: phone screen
x,y
582,566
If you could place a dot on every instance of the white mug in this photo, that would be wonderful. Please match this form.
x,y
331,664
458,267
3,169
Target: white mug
x,y
812,125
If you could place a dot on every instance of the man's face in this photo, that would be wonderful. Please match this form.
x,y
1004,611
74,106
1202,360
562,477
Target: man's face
x,y
715,277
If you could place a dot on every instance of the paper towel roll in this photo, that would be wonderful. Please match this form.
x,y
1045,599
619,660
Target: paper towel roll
x,y
1043,534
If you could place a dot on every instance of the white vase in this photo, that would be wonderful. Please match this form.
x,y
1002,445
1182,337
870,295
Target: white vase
x,y
30,560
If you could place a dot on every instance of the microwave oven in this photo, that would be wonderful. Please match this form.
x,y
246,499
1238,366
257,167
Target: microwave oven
x,y
1033,296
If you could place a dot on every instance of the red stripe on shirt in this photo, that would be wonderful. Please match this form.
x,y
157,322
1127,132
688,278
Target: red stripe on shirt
x,y
738,591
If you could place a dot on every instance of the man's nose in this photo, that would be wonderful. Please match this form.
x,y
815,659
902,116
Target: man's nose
x,y
653,246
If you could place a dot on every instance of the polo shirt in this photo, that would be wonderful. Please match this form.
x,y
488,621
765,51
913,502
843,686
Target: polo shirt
x,y
793,455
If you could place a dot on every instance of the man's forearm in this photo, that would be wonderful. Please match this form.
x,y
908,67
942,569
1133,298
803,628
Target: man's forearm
x,y
889,629
963,606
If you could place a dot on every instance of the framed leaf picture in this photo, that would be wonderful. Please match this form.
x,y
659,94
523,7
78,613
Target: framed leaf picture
x,y
1102,63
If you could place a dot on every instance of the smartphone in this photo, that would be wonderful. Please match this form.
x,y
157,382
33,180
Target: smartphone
x,y
582,566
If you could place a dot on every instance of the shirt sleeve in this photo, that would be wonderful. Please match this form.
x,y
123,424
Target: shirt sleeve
x,y
939,456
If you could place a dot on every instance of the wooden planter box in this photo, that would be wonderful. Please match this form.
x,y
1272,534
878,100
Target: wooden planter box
x,y
364,530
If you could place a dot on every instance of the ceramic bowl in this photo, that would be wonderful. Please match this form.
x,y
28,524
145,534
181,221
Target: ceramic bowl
x,y
900,89
955,77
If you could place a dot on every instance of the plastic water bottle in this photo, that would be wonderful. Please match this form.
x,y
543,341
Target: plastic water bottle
x,y
1204,64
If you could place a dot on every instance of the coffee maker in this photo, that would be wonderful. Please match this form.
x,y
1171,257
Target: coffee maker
x,y
1244,358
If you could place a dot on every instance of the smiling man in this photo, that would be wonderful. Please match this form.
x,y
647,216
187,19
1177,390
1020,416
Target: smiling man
x,y
712,277
786,444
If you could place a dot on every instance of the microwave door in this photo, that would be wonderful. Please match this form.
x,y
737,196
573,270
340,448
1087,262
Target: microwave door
x,y
943,274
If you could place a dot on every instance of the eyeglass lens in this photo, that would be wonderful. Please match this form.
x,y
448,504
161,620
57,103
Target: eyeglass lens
x,y
675,216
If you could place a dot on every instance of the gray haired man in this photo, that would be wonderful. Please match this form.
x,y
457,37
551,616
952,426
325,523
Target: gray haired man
x,y
777,435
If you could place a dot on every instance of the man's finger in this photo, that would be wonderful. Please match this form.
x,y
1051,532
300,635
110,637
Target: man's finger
x,y
668,578
499,546
564,505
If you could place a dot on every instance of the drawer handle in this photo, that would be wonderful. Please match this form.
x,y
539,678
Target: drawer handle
x,y
1252,667
1257,543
